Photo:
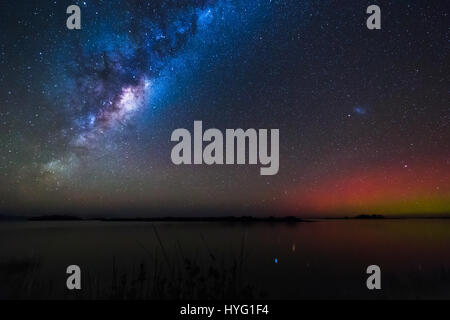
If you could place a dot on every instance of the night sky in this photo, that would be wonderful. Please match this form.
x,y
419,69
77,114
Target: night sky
x,y
86,115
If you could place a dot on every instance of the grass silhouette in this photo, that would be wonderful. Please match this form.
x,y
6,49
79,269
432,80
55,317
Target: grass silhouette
x,y
157,277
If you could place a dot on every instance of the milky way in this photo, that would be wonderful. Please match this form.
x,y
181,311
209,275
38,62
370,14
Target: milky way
x,y
110,81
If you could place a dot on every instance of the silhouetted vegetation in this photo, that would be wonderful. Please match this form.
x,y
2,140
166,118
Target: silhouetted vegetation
x,y
158,276
55,218
367,216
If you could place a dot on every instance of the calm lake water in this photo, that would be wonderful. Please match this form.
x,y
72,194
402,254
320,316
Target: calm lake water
x,y
322,259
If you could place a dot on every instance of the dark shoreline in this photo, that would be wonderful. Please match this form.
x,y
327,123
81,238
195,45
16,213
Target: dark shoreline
x,y
231,219
246,219
228,219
